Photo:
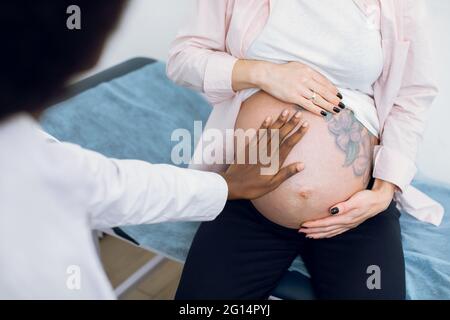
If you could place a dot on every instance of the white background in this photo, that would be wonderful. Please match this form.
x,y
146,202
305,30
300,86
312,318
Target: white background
x,y
149,26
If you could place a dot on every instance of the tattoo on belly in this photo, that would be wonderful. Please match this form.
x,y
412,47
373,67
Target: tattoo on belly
x,y
354,140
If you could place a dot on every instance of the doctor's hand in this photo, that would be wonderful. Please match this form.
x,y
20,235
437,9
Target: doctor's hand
x,y
351,213
274,139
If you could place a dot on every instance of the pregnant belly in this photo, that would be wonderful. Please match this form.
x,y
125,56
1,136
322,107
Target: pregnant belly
x,y
337,153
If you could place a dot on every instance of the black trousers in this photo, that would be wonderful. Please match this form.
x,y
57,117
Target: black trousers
x,y
243,255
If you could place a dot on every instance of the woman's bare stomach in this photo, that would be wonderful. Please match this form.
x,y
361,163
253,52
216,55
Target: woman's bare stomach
x,y
337,153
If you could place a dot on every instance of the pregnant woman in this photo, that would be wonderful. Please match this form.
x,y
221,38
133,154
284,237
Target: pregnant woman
x,y
359,71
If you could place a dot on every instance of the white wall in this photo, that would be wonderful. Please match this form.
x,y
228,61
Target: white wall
x,y
147,29
434,156
149,26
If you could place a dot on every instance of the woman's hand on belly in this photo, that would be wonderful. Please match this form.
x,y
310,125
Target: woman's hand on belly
x,y
349,214
293,82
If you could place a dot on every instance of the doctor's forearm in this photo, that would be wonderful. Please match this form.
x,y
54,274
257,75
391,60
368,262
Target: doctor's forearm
x,y
130,192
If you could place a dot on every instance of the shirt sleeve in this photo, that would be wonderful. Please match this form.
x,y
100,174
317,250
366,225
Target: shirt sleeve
x,y
198,57
394,159
131,192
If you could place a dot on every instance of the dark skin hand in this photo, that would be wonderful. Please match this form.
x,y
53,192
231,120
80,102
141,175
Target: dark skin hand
x,y
245,181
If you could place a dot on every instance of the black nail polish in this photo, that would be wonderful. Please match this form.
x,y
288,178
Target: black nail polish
x,y
339,95
337,110
334,211
341,105
324,113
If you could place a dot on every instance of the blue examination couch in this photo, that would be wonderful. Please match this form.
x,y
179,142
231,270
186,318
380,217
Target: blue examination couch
x,y
130,111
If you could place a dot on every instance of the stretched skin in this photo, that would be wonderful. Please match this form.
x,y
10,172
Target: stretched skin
x,y
337,153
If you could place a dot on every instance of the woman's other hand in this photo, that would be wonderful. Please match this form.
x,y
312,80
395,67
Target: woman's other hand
x,y
291,82
351,213
245,180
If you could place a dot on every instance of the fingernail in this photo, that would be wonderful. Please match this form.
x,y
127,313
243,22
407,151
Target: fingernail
x,y
300,167
305,125
285,113
337,110
298,115
334,211
339,95
324,113
341,105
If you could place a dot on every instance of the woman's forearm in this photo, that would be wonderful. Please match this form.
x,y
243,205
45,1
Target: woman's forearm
x,y
385,192
249,74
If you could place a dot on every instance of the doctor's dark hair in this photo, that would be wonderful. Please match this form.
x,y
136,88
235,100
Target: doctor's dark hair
x,y
40,53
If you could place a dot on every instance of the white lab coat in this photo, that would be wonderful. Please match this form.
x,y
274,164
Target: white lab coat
x,y
53,194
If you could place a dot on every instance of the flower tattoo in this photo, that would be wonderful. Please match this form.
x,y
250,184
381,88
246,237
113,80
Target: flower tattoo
x,y
354,140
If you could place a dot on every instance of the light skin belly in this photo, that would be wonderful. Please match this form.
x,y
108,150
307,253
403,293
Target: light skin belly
x,y
337,153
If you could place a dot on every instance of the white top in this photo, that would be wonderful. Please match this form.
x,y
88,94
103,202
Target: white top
x,y
335,38
53,194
